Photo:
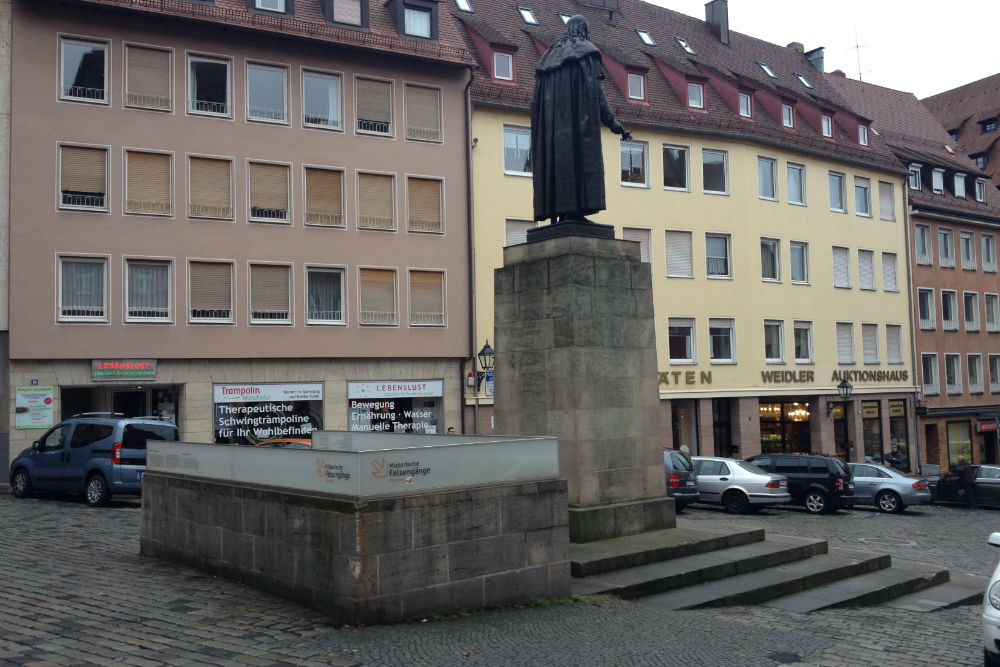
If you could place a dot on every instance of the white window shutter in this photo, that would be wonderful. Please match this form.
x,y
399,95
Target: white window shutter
x,y
679,254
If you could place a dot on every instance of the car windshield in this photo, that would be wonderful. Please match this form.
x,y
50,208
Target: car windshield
x,y
749,467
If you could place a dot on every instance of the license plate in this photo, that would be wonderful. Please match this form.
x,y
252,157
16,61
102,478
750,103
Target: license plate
x,y
851,485
689,483
138,475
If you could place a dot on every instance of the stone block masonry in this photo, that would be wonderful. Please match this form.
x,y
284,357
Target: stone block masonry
x,y
368,562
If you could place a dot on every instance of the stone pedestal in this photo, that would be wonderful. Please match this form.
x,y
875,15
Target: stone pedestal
x,y
576,359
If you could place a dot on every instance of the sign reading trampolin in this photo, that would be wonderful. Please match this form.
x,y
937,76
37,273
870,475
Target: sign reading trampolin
x,y
248,414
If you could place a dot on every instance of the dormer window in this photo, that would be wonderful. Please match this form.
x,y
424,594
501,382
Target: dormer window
x,y
528,16
746,105
463,5
827,123
636,86
787,115
767,70
960,186
646,38
414,18
270,5
417,22
684,45
937,181
805,82
989,125
953,134
863,135
980,160
348,12
564,17
696,96
981,189
503,66
913,176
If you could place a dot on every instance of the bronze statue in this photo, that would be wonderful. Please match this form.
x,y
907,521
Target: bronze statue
x,y
566,115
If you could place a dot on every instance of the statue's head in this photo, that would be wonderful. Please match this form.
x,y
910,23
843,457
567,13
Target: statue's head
x,y
577,27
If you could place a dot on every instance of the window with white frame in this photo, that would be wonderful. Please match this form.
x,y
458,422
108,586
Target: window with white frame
x,y
717,255
746,105
866,269
676,168
516,231
937,181
268,192
148,183
929,373
799,257
862,196
84,71
715,171
769,261
886,202
913,176
640,236
774,341
646,38
953,373
377,297
863,135
994,373
633,163
517,150
321,100
803,80
949,310
680,340
636,86
721,340
270,5
869,343
423,202
148,78
926,310
418,21
802,333
210,292
147,291
845,343
678,253
787,115
209,86
267,93
684,45
894,343
528,16
837,192
373,106
83,178
427,298
922,243
83,290
503,65
946,248
970,308
890,279
376,201
696,96
841,267
324,197
767,70
989,249
992,308
960,186
967,247
270,294
980,190
767,187
796,183
974,367
826,123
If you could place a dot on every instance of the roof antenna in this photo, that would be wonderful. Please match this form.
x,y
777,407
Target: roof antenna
x,y
857,49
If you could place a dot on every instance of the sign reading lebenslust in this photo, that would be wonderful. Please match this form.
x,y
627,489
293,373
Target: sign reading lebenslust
x,y
248,414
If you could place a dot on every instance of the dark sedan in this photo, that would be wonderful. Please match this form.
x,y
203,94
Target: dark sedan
x,y
948,489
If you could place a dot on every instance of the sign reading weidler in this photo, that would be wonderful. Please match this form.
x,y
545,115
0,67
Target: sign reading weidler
x,y
248,414
397,406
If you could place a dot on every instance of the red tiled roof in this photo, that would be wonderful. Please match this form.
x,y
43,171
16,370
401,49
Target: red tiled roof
x,y
961,109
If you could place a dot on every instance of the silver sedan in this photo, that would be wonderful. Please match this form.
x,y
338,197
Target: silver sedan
x,y
887,489
737,485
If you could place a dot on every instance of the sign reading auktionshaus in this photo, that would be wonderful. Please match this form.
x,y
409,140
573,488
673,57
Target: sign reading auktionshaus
x,y
248,414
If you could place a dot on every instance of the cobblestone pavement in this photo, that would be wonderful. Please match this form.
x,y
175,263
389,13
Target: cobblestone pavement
x,y
75,592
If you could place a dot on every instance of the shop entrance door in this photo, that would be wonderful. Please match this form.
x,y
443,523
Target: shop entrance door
x,y
131,403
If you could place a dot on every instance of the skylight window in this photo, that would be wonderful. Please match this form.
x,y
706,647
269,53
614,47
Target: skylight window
x,y
767,70
528,16
645,37
565,18
464,5
685,45
805,81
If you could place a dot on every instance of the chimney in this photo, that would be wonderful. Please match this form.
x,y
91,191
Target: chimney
x,y
797,46
815,56
717,18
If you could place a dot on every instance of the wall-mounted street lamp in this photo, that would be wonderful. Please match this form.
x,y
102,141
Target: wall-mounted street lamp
x,y
485,363
845,389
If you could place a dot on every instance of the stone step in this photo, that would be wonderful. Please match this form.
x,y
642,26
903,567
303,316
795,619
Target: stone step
x,y
773,582
590,558
961,589
867,589
698,568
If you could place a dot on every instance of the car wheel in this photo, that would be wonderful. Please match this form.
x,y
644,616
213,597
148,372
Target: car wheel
x,y
21,483
97,491
816,502
990,660
888,501
735,502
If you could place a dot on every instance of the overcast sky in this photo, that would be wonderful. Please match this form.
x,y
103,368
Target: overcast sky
x,y
916,46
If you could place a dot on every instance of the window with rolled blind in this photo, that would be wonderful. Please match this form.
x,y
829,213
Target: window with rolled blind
x,y
845,343
423,113
325,296
375,201
426,298
377,301
893,343
886,201
424,203
147,290
210,286
83,181
374,106
210,189
869,343
268,192
270,298
516,231
147,78
640,236
678,249
348,12
890,281
866,269
841,267
324,197
82,289
147,183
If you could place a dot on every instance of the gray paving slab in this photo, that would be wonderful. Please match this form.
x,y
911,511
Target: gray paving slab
x,y
961,589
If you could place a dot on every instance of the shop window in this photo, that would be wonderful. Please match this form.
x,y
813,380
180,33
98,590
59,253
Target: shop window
x,y
148,292
633,163
517,151
84,71
427,298
678,253
374,107
268,192
148,183
424,205
640,236
324,296
684,424
377,297
83,294
929,371
423,113
209,86
324,197
267,93
681,340
715,171
959,441
717,255
210,192
376,209
845,343
321,100
270,296
210,297
83,182
675,167
148,78
721,339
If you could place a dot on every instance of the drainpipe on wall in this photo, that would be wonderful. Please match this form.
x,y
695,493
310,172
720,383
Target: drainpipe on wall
x,y
472,255
917,430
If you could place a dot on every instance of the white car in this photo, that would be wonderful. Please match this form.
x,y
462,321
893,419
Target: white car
x,y
739,486
991,614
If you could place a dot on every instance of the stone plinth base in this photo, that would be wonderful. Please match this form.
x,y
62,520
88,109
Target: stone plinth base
x,y
603,522
368,562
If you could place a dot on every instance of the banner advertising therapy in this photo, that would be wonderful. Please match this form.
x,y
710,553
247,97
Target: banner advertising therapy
x,y
248,414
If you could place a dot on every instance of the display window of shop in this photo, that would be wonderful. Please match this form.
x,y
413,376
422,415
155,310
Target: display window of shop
x,y
784,427
248,414
684,423
722,428
841,432
959,441
899,443
128,400
396,406
871,426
